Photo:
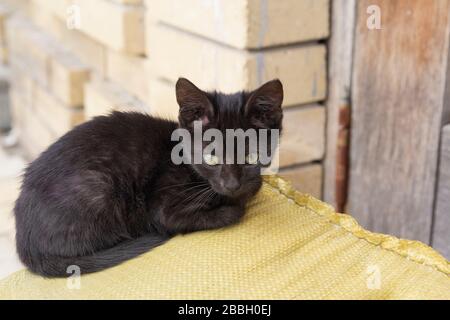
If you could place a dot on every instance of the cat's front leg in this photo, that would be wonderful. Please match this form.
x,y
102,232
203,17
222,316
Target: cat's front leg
x,y
185,222
223,216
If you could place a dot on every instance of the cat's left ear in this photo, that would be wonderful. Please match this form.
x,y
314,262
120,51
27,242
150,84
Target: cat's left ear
x,y
263,107
194,104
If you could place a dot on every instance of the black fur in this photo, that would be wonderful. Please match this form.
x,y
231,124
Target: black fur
x,y
108,191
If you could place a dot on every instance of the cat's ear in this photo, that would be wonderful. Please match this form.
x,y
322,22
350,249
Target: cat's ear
x,y
194,104
263,107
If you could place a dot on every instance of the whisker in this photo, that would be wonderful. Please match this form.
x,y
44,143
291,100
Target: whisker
x,y
194,195
200,196
182,184
200,185
207,196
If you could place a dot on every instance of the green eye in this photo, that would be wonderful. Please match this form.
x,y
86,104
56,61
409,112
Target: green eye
x,y
252,158
210,159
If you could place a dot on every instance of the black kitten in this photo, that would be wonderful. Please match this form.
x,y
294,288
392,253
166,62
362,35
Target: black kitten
x,y
108,191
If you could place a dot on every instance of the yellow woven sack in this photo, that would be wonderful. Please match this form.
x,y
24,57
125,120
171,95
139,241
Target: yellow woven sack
x,y
289,246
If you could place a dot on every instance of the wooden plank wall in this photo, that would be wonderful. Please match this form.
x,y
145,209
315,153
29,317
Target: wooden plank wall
x,y
398,90
441,225
340,48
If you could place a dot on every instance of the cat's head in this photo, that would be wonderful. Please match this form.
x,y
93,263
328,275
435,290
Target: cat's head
x,y
259,109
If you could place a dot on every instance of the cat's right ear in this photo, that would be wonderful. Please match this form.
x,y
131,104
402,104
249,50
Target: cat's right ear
x,y
194,104
263,107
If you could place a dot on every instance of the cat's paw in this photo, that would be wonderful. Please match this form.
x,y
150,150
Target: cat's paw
x,y
227,215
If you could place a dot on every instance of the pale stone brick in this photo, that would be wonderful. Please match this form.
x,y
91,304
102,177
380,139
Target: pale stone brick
x,y
21,83
247,23
101,97
130,72
303,137
48,63
57,7
57,117
34,135
54,114
29,48
4,14
118,26
4,55
16,103
162,99
16,5
88,50
306,179
302,69
67,78
129,2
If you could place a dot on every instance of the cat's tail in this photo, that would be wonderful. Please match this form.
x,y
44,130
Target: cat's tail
x,y
57,266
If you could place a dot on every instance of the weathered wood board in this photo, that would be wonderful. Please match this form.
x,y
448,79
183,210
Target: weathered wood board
x,y
441,225
340,57
398,89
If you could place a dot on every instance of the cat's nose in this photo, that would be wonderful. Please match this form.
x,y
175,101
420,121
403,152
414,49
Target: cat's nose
x,y
232,185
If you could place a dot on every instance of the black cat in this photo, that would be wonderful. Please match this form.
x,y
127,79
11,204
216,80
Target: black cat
x,y
108,191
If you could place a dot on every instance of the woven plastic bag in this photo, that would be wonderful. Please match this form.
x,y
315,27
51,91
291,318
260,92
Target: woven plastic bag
x,y
288,246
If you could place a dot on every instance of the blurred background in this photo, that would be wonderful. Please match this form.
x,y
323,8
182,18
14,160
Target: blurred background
x,y
366,90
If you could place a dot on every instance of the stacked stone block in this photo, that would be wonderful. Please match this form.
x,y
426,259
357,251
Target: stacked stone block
x,y
71,60
240,44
